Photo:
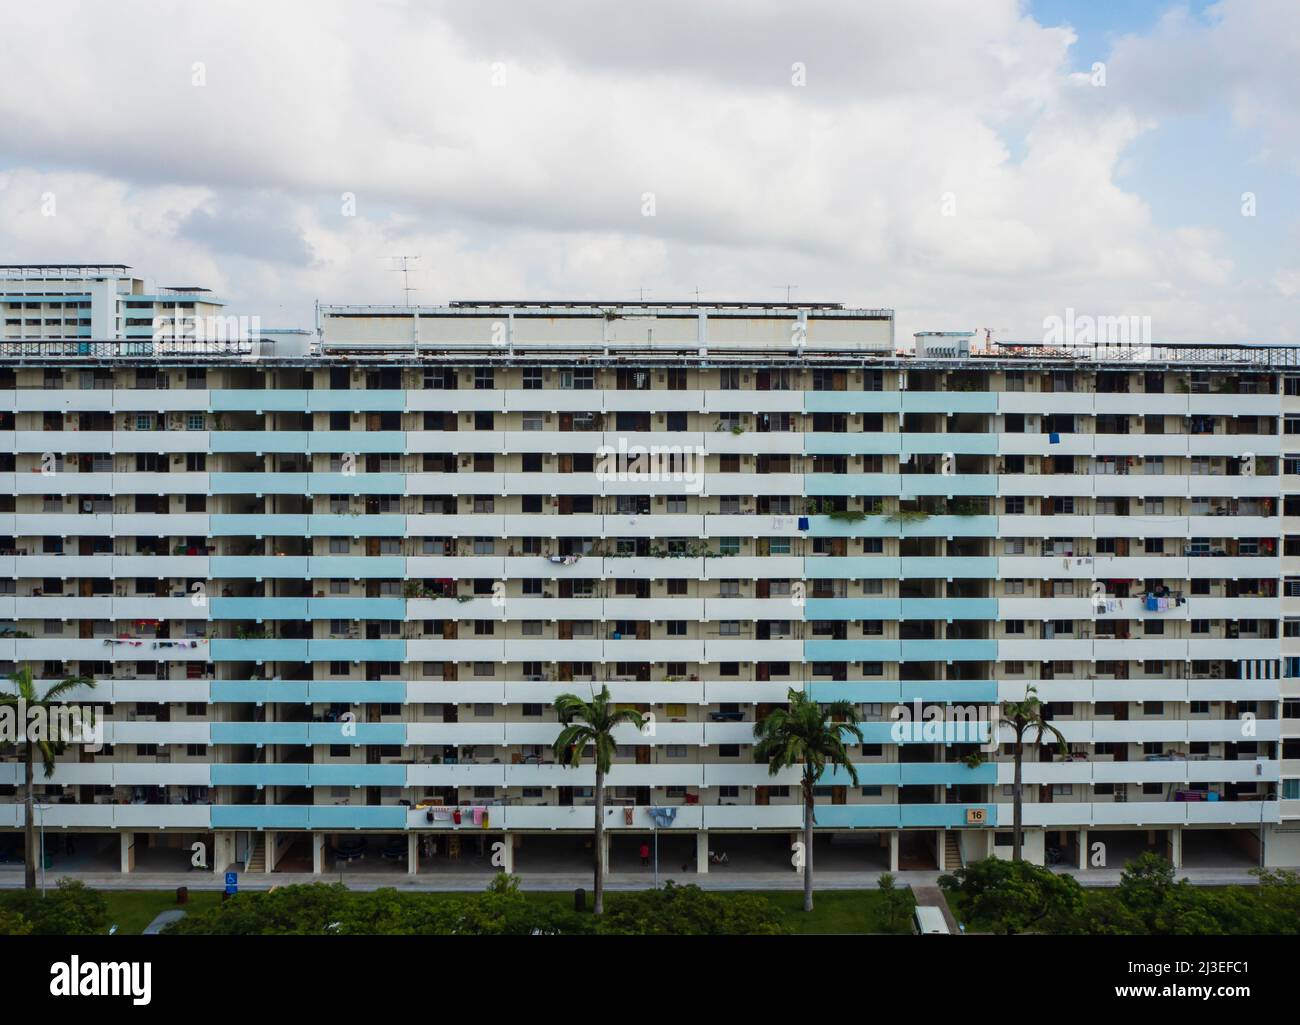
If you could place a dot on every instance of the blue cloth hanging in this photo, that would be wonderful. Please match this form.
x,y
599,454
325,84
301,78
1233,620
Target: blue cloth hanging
x,y
1053,438
803,522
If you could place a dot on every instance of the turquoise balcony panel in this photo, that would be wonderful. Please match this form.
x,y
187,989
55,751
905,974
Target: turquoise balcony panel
x,y
963,692
949,402
871,526
356,399
901,608
267,649
852,443
915,485
357,733
261,441
259,732
858,816
357,692
894,691
356,483
335,525
257,524
259,566
852,651
358,775
258,483
260,775
346,816
949,650
947,773
960,444
860,692
851,402
356,608
850,484
944,567
357,651
951,526
965,731
865,567
258,608
358,567
268,400
259,691
944,815
356,441
260,816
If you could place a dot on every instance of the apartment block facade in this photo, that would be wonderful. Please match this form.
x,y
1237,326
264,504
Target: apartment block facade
x,y
330,585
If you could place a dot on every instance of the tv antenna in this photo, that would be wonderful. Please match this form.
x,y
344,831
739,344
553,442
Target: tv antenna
x,y
405,269
788,290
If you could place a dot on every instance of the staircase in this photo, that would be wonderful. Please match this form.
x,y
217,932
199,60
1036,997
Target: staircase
x,y
257,855
951,851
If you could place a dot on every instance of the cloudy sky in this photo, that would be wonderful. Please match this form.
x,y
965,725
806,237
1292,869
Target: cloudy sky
x,y
969,163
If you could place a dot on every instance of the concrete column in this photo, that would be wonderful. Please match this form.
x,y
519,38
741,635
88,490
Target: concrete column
x,y
271,837
412,853
702,852
1083,849
1176,847
128,851
940,851
223,851
893,851
318,853
508,853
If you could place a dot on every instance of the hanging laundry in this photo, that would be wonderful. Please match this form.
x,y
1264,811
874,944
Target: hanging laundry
x,y
1053,438
803,522
478,816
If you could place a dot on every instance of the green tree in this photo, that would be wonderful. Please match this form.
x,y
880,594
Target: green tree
x,y
70,909
812,735
592,722
50,740
1025,717
1012,896
897,902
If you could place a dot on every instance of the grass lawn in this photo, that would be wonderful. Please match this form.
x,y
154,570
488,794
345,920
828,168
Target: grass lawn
x,y
132,910
834,911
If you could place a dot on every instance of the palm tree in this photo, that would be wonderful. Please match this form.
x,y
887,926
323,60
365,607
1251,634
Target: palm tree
x,y
23,699
1024,716
810,734
592,722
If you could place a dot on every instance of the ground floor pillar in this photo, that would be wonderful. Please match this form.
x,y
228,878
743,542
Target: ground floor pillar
x,y
893,851
1083,849
702,852
271,838
128,851
318,853
1176,848
223,851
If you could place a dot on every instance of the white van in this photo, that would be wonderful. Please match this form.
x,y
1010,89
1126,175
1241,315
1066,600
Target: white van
x,y
928,920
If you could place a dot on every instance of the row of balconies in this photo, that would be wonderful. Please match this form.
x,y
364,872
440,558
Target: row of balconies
x,y
321,568
127,398
885,774
688,817
696,734
512,607
665,692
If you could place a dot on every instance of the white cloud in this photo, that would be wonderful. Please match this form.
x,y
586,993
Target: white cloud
x,y
535,187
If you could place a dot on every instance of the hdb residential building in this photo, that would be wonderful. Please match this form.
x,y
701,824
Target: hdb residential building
x,y
330,583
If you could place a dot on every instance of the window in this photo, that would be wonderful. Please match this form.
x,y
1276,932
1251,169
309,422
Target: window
x,y
194,422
